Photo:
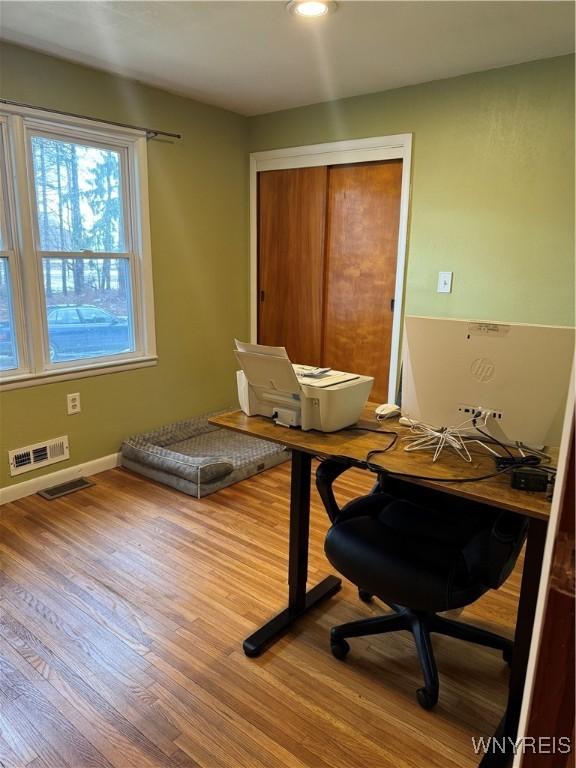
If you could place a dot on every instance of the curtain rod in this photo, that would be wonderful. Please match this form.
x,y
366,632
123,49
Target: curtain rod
x,y
151,133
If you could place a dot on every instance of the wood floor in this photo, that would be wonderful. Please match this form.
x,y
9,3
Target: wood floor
x,y
122,611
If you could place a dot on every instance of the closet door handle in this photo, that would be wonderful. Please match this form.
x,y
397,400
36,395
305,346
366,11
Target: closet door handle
x,y
261,296
391,305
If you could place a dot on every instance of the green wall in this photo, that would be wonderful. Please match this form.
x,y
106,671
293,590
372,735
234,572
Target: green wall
x,y
199,225
492,194
492,199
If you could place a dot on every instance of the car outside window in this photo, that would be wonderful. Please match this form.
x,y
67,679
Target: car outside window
x,y
62,316
93,315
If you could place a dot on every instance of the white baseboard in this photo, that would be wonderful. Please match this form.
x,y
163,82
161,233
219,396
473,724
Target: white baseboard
x,y
28,487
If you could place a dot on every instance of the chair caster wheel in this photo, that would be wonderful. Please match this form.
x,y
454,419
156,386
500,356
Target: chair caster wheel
x,y
339,648
366,597
507,655
426,699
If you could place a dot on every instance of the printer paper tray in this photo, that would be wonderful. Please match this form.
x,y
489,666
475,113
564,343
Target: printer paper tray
x,y
336,377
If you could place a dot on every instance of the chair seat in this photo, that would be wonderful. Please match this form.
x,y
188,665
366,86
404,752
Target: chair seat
x,y
400,557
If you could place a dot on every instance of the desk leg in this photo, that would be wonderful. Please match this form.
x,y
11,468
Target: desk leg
x,y
507,731
299,601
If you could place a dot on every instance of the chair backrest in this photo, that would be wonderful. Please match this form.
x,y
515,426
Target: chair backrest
x,y
490,553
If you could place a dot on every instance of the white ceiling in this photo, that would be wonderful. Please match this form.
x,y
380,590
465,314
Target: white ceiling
x,y
254,57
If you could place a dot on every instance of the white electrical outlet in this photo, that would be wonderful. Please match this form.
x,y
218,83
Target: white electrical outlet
x,y
444,282
73,403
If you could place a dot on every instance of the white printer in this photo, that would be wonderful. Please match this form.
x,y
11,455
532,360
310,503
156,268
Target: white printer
x,y
298,395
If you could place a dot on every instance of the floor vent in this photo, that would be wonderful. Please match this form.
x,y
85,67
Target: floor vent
x,y
61,490
38,455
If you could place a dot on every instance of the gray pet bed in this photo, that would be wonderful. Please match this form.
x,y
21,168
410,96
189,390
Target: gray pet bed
x,y
198,458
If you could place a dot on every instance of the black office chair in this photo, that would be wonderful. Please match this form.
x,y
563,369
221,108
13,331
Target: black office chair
x,y
421,552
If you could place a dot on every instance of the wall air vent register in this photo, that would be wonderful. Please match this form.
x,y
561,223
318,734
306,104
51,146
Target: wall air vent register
x,y
38,455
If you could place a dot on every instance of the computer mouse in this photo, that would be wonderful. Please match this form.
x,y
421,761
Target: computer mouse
x,y
387,410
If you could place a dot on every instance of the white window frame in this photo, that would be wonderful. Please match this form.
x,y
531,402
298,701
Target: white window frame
x,y
11,253
19,125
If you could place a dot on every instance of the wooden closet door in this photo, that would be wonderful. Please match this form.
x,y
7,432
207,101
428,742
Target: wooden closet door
x,y
291,226
361,248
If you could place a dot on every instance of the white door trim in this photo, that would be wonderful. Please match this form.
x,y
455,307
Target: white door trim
x,y
546,572
394,147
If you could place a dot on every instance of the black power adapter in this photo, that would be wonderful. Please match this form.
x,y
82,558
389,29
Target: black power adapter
x,y
529,479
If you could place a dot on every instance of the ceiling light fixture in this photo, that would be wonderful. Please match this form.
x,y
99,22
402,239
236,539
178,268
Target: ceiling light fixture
x,y
311,8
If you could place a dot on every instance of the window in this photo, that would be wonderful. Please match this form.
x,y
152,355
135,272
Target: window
x,y
9,359
8,353
75,273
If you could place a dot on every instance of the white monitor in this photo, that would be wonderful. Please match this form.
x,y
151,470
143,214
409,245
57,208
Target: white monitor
x,y
520,373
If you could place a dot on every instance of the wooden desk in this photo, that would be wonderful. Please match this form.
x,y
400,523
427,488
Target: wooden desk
x,y
355,445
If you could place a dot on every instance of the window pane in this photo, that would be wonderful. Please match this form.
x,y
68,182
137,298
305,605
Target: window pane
x,y
3,202
89,307
78,196
8,353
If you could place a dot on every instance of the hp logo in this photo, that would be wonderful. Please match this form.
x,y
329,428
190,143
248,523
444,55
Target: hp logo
x,y
482,369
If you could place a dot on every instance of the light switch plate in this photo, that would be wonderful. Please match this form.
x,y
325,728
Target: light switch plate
x,y
444,282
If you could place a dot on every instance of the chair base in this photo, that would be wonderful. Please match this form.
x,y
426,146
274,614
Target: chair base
x,y
421,624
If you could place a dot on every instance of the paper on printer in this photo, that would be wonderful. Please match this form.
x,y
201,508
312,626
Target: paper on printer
x,y
270,385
